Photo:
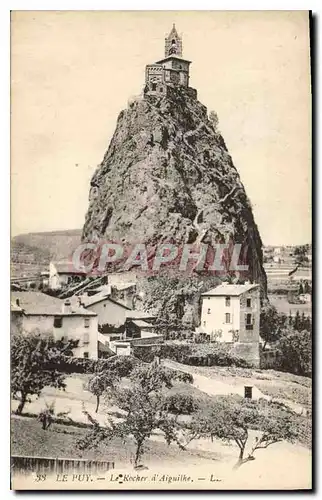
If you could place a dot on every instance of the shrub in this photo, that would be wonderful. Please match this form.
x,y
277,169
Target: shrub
x,y
47,415
177,352
295,353
183,377
107,328
202,355
69,364
281,289
181,404
272,324
146,353
123,365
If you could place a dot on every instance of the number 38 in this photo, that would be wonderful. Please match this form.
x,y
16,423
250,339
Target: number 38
x,y
40,477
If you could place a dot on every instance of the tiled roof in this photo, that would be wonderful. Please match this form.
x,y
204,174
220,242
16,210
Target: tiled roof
x,y
142,324
67,267
227,289
104,348
120,303
139,315
42,304
123,286
95,299
173,56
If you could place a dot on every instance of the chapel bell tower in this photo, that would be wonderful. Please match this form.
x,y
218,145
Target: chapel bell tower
x,y
173,44
170,72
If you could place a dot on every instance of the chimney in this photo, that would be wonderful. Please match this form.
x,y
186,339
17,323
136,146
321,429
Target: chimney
x,y
66,308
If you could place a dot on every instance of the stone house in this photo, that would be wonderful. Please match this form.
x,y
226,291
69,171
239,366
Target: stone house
x,y
37,312
109,311
231,314
63,273
120,325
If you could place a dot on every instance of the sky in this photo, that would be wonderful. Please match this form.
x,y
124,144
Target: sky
x,y
72,72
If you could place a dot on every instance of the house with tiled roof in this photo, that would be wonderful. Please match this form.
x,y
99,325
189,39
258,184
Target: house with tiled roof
x,y
120,325
109,310
37,312
230,313
63,273
113,311
136,315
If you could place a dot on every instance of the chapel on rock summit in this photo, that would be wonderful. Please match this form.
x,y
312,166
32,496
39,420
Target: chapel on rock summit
x,y
172,71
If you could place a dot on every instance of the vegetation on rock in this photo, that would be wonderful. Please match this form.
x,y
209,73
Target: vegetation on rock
x,y
167,177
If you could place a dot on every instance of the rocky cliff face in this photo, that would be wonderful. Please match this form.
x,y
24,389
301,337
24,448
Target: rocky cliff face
x,y
167,175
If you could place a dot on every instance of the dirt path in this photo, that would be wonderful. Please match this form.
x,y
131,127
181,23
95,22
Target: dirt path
x,y
214,387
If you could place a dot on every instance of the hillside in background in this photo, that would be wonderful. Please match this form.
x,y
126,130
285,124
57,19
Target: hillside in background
x,y
32,252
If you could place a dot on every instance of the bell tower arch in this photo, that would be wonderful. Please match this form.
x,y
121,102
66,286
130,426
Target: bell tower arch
x,y
173,44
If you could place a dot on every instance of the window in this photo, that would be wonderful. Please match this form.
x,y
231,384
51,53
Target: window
x,y
86,354
227,301
204,323
208,311
86,322
154,86
86,338
58,322
227,317
249,303
161,89
249,322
